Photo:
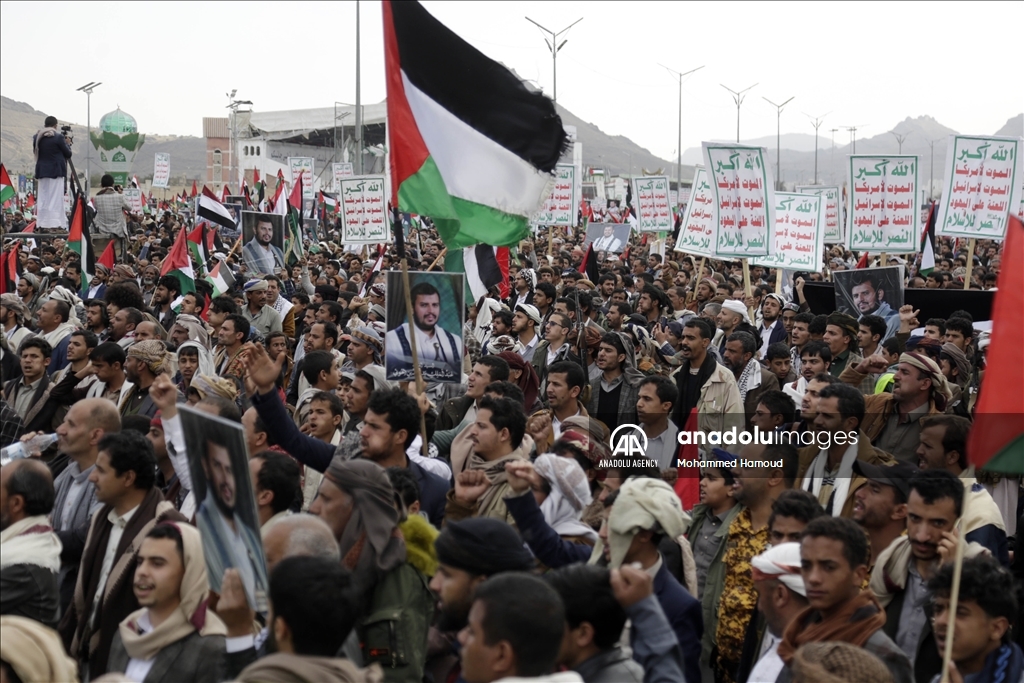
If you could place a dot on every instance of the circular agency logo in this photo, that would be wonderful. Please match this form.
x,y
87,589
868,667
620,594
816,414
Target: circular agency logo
x,y
629,446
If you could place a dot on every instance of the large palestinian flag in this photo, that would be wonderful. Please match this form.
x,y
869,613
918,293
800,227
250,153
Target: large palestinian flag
x,y
471,146
996,440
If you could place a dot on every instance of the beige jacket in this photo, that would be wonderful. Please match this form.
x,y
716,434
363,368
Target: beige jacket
x,y
721,408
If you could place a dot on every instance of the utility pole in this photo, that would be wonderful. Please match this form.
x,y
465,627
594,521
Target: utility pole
x,y
853,135
816,122
899,138
738,98
359,105
679,150
233,131
832,171
931,170
87,89
778,139
554,46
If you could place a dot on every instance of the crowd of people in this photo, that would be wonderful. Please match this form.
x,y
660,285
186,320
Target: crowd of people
x,y
484,530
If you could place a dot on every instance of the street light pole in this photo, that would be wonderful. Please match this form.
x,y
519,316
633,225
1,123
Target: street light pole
x,y
778,139
931,170
816,122
832,163
899,139
679,149
554,46
738,98
359,105
87,89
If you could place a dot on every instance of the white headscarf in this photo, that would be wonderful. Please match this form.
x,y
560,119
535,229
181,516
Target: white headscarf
x,y
570,494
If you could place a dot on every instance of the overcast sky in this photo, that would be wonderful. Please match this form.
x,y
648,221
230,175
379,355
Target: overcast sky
x,y
870,65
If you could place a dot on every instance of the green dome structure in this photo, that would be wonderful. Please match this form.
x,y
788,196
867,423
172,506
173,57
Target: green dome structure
x,y
119,122
117,140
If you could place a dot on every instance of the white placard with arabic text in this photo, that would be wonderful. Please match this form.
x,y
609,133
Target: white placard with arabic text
x,y
797,233
339,170
744,199
980,188
363,205
161,169
560,206
652,204
134,197
698,229
302,167
884,205
832,210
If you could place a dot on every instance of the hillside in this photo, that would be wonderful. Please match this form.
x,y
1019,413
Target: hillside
x,y
20,121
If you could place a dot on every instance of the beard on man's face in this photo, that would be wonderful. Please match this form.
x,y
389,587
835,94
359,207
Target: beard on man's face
x,y
453,617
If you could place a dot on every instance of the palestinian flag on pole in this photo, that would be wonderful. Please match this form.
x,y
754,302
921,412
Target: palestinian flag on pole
x,y
996,440
224,193
261,199
179,264
221,279
928,244
10,270
485,267
107,258
199,245
293,251
210,208
7,190
79,242
476,153
329,202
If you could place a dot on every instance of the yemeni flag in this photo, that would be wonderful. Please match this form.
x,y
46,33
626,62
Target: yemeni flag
x,y
293,251
7,191
471,146
485,267
996,439
10,270
179,264
928,245
79,242
278,205
210,208
221,279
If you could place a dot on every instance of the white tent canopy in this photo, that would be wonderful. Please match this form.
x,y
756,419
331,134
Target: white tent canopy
x,y
282,125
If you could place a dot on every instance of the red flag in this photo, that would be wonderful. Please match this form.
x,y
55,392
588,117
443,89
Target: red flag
x,y
996,439
224,193
687,485
107,257
30,201
863,262
10,270
195,190
255,176
295,198
589,264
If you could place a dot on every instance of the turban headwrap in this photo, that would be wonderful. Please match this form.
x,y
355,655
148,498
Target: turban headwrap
x,y
482,546
780,562
370,545
940,388
152,352
528,380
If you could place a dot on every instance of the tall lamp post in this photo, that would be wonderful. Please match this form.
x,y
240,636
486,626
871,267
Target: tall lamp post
x,y
233,106
832,163
679,150
87,89
738,98
554,46
778,139
899,138
816,122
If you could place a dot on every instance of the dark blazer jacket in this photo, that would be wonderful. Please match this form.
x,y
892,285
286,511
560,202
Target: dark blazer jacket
x,y
195,658
769,382
40,414
53,155
453,411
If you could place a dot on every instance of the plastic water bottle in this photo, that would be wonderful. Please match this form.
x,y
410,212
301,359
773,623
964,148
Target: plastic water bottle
x,y
18,450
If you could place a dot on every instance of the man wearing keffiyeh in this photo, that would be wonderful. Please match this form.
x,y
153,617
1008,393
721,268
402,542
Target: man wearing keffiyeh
x,y
892,420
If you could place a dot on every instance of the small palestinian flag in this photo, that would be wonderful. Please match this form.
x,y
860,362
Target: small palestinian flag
x,y
179,264
476,152
221,279
79,240
7,190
